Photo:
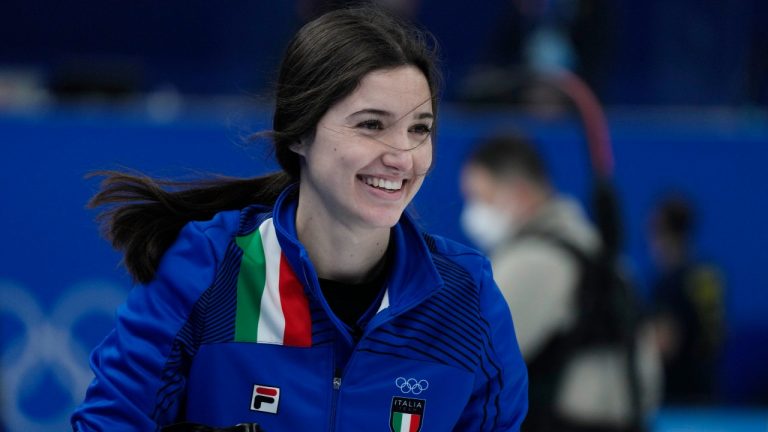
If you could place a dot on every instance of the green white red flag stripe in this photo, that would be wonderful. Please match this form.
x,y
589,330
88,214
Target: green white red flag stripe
x,y
403,422
271,304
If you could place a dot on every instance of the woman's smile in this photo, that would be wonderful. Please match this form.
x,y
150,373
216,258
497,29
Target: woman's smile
x,y
382,183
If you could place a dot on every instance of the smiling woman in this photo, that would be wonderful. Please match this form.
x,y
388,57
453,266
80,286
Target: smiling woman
x,y
301,299
363,166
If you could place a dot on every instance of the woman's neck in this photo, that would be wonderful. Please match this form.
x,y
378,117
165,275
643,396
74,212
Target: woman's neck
x,y
339,252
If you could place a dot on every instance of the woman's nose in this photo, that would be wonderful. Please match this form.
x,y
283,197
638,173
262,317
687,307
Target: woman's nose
x,y
399,158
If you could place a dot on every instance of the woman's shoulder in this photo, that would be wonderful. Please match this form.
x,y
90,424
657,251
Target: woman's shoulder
x,y
451,256
219,230
450,248
202,245
233,222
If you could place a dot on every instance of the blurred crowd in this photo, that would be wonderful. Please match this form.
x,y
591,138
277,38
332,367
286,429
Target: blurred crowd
x,y
659,53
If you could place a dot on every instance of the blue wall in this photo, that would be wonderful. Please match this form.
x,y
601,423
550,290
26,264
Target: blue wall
x,y
59,281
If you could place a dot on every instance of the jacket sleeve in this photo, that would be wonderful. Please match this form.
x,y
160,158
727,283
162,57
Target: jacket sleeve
x,y
499,401
129,365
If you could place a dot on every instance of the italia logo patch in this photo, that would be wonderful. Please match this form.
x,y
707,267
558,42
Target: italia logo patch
x,y
265,399
406,415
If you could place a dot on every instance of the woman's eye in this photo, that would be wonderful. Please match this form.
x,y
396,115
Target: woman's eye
x,y
421,129
371,125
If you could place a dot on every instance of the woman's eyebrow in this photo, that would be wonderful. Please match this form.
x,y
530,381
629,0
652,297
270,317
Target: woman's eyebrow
x,y
373,111
383,113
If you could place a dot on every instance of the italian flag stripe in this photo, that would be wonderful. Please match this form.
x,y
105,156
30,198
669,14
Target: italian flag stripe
x,y
406,422
250,288
271,304
298,329
415,422
397,421
271,319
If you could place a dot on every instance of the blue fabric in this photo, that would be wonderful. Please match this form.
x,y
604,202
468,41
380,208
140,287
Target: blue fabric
x,y
172,356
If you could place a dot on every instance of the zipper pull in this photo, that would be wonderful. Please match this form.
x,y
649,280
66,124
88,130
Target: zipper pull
x,y
337,380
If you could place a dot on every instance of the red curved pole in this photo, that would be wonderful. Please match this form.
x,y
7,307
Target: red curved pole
x,y
593,118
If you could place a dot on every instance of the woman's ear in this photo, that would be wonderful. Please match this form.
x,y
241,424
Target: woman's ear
x,y
299,147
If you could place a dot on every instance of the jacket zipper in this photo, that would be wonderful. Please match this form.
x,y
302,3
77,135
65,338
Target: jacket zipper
x,y
337,374
335,398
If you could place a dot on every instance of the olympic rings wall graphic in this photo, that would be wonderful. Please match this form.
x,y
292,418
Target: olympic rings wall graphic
x,y
48,347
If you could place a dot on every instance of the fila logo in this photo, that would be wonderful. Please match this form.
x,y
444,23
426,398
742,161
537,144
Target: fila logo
x,y
265,399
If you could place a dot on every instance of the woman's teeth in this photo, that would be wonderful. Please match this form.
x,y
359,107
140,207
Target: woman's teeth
x,y
390,185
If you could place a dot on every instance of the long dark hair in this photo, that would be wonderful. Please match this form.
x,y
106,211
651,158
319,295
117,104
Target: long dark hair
x,y
323,64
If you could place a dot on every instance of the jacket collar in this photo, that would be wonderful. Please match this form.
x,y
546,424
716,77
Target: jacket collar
x,y
413,275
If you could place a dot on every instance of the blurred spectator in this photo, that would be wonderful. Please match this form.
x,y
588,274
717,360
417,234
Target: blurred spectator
x,y
688,302
540,243
543,36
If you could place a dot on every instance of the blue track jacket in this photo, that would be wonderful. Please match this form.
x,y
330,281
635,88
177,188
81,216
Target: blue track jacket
x,y
234,329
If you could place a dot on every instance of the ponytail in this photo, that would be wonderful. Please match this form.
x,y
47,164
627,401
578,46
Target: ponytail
x,y
143,216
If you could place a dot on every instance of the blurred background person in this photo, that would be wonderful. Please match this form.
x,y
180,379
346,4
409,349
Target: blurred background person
x,y
531,37
540,242
688,305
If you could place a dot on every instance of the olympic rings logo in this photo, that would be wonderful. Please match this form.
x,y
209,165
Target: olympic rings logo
x,y
411,385
48,346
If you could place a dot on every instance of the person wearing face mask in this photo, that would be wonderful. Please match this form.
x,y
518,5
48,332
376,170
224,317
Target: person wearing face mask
x,y
538,241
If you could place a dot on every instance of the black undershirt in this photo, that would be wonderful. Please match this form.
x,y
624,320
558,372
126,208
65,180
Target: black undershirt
x,y
350,301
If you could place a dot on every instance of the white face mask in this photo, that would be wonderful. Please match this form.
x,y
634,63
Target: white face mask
x,y
485,224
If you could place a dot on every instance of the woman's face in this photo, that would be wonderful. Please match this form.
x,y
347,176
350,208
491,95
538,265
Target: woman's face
x,y
370,151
